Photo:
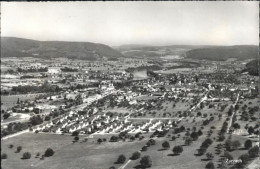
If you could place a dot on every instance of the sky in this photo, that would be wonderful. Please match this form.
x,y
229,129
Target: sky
x,y
150,23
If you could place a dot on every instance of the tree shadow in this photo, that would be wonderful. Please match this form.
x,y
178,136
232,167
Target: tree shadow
x,y
173,154
243,148
205,159
117,162
162,149
139,167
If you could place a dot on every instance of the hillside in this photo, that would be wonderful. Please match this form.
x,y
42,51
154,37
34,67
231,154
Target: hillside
x,y
17,47
154,51
224,53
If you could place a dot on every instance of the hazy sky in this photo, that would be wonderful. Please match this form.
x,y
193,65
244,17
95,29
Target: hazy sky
x,y
116,23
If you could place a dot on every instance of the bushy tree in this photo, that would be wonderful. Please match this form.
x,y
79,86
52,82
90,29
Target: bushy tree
x,y
136,155
4,156
244,158
49,152
188,141
121,159
209,155
166,145
236,144
75,133
26,155
146,161
248,144
18,149
210,165
144,148
177,149
254,151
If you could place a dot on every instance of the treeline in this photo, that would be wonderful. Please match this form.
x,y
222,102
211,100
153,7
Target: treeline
x,y
252,68
67,69
45,88
152,67
32,70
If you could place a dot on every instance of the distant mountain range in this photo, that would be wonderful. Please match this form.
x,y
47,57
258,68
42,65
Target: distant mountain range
x,y
18,47
222,53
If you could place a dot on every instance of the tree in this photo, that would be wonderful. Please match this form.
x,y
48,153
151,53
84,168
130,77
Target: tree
x,y
35,120
26,155
136,155
236,126
18,149
6,115
236,144
11,146
210,165
76,138
194,136
146,161
254,151
177,149
228,156
4,156
173,138
250,130
248,144
49,152
209,155
75,133
202,150
188,141
166,145
144,148
99,140
244,158
121,159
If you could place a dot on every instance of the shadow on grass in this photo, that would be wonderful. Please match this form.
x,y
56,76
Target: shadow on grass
x,y
162,149
139,167
205,159
118,162
173,154
243,148
198,154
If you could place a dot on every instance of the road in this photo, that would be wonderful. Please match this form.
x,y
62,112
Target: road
x,y
15,134
234,112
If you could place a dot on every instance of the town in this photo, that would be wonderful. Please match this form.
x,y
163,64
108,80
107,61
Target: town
x,y
131,103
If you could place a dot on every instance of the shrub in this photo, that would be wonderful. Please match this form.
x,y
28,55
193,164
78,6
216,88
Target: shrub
x,y
76,138
121,159
244,158
136,155
166,145
49,152
146,161
6,115
210,165
75,133
18,149
26,155
254,151
4,156
248,144
144,148
11,146
177,149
